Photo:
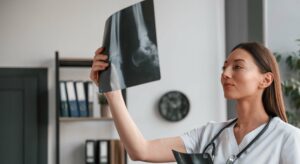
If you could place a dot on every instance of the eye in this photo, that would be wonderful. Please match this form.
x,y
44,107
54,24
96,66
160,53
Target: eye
x,y
223,68
237,67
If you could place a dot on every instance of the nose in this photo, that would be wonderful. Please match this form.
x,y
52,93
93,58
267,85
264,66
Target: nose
x,y
226,74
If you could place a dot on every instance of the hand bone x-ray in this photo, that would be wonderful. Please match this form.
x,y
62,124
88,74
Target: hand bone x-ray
x,y
130,43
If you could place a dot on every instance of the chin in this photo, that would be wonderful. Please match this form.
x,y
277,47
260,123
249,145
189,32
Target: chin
x,y
230,97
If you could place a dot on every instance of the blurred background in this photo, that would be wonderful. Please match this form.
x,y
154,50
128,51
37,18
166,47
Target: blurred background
x,y
39,38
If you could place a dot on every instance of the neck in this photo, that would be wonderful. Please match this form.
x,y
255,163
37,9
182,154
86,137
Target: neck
x,y
251,114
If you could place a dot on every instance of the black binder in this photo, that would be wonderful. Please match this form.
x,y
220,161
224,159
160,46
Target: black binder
x,y
103,152
89,94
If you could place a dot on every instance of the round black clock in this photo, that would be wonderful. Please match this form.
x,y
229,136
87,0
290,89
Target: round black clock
x,y
174,106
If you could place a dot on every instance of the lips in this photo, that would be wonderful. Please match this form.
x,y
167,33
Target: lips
x,y
228,84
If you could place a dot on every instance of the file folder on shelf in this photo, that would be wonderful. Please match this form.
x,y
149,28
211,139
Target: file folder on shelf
x,y
81,99
64,108
88,86
103,151
90,152
73,107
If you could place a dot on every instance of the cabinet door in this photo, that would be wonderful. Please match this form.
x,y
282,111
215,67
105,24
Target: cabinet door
x,y
19,123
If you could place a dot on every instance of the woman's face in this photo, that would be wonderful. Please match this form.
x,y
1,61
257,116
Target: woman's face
x,y
241,76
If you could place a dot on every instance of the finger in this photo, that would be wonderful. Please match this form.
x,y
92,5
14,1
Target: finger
x,y
100,63
96,69
100,57
94,76
99,50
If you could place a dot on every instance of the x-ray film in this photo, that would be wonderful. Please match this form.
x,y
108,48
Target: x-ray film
x,y
184,158
130,43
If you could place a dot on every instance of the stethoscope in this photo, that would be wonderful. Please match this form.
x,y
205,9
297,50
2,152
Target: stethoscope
x,y
233,158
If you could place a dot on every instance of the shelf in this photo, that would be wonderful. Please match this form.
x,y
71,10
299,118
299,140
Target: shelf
x,y
75,62
65,68
70,119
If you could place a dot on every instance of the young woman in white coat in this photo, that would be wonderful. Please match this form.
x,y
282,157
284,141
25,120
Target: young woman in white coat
x,y
251,77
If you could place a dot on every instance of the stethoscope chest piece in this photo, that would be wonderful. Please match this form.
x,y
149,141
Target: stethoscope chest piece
x,y
231,159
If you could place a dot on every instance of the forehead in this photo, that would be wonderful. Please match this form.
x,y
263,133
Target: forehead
x,y
239,55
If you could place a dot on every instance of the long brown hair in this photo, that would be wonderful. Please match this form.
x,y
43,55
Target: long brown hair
x,y
272,96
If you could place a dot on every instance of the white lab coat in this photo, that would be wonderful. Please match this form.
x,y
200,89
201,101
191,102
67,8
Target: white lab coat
x,y
280,143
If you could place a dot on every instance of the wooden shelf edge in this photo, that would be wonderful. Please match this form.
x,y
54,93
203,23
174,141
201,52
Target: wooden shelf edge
x,y
75,62
71,119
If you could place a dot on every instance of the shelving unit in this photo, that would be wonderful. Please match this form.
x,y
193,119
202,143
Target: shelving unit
x,y
61,63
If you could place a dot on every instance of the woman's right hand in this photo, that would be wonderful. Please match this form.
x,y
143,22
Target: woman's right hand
x,y
99,64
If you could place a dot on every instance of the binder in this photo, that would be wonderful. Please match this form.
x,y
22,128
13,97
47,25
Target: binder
x,y
90,152
89,94
64,109
103,152
81,99
73,106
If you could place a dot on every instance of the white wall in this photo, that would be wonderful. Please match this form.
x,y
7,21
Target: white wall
x,y
282,25
282,28
191,49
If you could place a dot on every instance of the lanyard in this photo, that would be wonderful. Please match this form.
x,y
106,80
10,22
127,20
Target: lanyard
x,y
233,158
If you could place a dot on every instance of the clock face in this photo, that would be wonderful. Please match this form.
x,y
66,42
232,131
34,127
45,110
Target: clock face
x,y
174,106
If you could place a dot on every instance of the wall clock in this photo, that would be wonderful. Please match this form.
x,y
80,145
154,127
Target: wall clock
x,y
174,106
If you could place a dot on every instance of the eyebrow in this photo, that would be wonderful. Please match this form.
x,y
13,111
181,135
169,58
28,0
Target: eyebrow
x,y
236,60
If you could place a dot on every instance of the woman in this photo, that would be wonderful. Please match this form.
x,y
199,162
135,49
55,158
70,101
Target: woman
x,y
251,77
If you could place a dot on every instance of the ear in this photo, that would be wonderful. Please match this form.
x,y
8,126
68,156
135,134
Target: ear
x,y
267,80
